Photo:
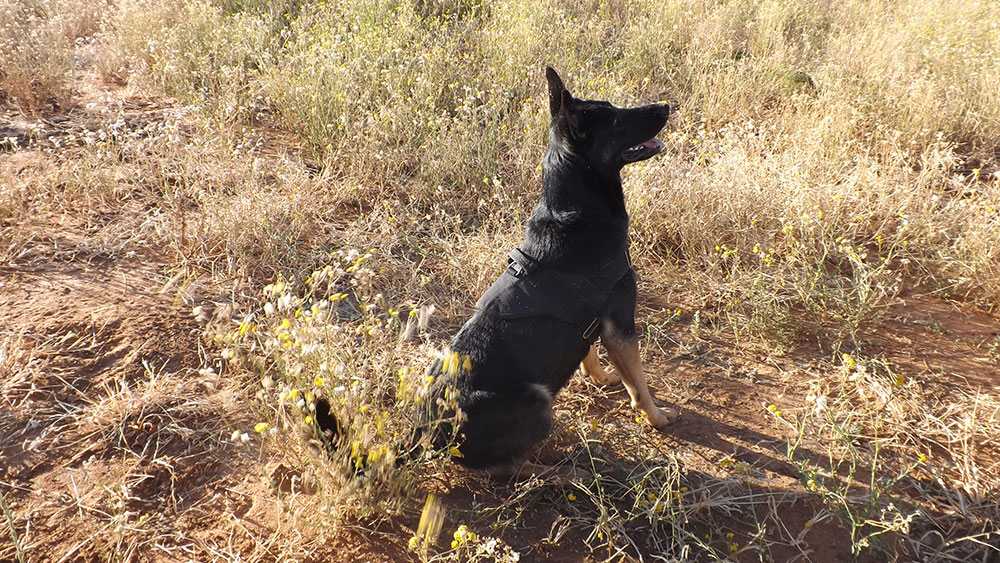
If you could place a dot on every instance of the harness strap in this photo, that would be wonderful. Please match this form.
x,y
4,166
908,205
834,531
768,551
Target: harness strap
x,y
527,288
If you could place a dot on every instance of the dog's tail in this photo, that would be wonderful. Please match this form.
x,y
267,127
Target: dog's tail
x,y
329,427
333,433
334,438
434,427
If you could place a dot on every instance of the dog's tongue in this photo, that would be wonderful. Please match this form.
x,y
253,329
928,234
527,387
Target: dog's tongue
x,y
636,152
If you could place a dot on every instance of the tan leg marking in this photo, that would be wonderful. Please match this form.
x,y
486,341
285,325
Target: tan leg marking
x,y
624,354
591,367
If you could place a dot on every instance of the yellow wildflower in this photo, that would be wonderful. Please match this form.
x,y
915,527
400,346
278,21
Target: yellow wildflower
x,y
848,360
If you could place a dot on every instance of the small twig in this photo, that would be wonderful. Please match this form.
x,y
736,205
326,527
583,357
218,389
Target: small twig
x,y
76,493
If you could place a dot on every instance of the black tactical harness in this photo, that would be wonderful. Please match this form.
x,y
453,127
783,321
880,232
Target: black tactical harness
x,y
528,288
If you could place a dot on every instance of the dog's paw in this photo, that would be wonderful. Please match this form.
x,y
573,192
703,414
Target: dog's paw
x,y
605,379
661,417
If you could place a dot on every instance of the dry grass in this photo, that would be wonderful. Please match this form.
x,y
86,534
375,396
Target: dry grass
x,y
820,127
37,40
825,160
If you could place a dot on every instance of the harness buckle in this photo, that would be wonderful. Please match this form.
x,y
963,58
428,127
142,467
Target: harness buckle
x,y
516,269
520,264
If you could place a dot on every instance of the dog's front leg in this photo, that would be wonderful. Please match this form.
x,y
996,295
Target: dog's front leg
x,y
623,351
591,367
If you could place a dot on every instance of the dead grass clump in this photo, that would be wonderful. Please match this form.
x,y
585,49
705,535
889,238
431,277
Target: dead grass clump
x,y
212,52
37,42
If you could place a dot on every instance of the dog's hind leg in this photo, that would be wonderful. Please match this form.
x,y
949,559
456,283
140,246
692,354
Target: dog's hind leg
x,y
502,428
591,367
624,354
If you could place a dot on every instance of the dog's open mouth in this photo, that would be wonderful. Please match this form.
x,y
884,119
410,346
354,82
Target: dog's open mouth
x,y
642,151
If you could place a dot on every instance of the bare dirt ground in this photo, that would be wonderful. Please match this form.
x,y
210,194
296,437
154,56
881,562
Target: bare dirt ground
x,y
115,428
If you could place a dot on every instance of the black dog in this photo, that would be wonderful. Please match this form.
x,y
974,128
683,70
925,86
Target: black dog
x,y
568,283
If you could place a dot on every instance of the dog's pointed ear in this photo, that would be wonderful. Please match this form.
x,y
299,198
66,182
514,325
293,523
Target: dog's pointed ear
x,y
558,94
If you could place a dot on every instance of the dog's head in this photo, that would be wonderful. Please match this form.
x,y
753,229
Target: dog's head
x,y
608,137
